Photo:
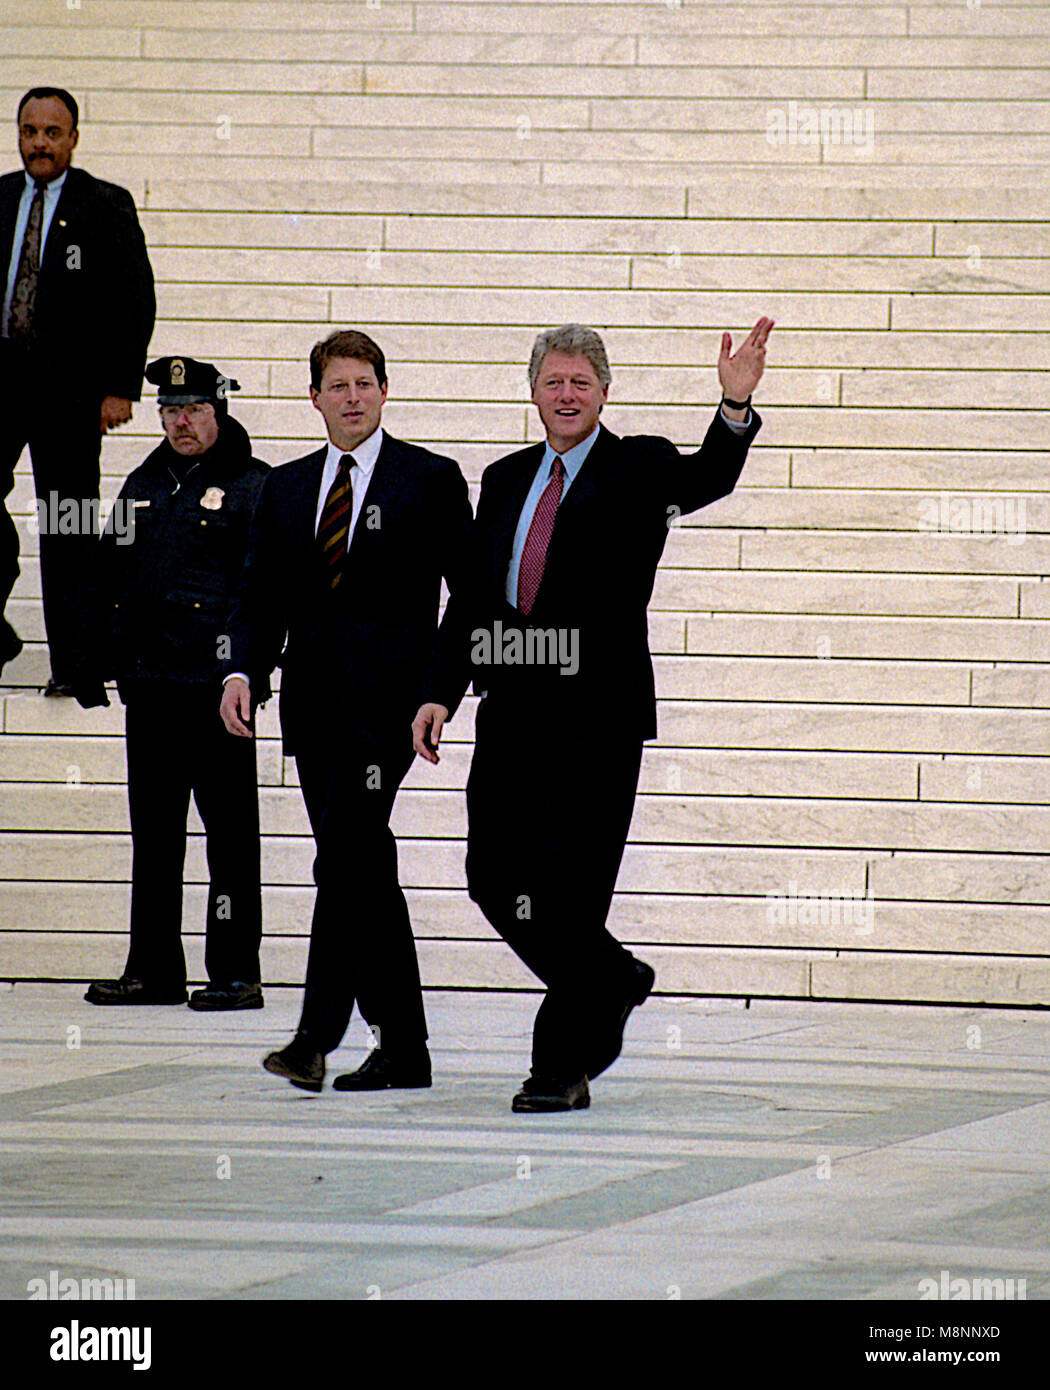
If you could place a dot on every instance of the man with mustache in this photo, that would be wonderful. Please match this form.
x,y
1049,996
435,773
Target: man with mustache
x,y
172,554
77,315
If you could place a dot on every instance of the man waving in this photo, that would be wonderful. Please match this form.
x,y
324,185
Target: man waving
x,y
550,624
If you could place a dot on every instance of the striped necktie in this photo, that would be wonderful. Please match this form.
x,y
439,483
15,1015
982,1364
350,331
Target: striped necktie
x,y
534,553
23,298
334,529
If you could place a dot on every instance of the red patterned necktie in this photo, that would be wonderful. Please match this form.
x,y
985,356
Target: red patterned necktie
x,y
334,529
534,554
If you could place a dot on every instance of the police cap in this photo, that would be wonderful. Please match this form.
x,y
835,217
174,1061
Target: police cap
x,y
184,380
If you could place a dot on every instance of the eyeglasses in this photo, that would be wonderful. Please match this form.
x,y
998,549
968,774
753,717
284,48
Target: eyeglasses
x,y
170,413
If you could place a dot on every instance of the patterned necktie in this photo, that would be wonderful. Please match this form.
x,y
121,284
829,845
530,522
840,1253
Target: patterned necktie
x,y
23,299
334,530
534,555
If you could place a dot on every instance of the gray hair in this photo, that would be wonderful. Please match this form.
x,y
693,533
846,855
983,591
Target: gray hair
x,y
574,340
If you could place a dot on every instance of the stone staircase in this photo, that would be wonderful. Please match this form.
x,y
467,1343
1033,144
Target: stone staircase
x,y
848,796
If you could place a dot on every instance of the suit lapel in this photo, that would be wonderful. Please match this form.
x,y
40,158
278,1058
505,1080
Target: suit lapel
x,y
386,489
300,517
517,491
575,510
66,211
10,196
585,485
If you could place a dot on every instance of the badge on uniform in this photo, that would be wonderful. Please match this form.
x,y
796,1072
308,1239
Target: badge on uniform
x,y
212,499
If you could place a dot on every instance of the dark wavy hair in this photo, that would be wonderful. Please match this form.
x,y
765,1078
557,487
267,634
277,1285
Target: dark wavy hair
x,y
43,93
346,342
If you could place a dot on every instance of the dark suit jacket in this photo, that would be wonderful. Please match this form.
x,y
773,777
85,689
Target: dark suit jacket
x,y
355,658
609,534
95,302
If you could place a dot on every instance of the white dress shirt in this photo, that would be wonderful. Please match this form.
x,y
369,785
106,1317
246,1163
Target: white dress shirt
x,y
52,191
364,457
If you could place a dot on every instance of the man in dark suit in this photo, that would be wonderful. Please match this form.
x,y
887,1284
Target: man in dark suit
x,y
346,555
78,311
550,623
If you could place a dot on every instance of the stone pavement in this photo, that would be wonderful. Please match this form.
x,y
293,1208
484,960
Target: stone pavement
x,y
779,1151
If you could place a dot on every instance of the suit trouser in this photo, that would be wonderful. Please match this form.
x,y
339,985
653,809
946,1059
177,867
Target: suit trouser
x,y
61,430
178,745
549,806
361,944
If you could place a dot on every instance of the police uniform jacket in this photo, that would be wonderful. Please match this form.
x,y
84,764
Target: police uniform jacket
x,y
169,581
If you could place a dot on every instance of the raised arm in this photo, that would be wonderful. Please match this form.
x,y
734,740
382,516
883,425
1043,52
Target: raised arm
x,y
697,479
740,372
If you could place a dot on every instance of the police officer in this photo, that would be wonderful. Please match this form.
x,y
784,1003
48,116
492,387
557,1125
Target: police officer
x,y
173,549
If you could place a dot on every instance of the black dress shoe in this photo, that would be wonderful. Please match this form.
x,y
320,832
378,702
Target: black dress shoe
x,y
125,991
90,695
381,1072
236,995
298,1063
545,1094
609,1042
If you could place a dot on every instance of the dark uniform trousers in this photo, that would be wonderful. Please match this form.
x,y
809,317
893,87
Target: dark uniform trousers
x,y
548,823
178,745
64,446
361,944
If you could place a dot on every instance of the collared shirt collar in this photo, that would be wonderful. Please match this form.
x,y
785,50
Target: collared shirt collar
x,y
54,187
573,459
364,455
